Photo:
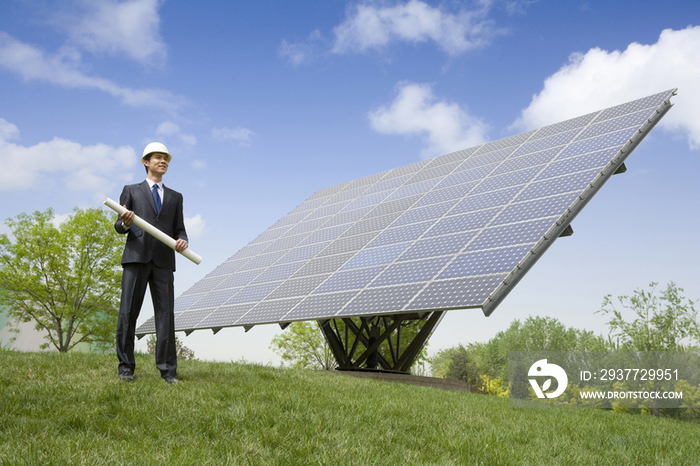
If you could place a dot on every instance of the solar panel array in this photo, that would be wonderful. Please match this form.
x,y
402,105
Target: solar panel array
x,y
450,232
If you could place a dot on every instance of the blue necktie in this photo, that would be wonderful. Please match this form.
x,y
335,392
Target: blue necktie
x,y
156,197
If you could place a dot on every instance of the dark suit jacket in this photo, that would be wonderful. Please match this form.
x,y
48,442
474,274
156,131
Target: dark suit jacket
x,y
140,246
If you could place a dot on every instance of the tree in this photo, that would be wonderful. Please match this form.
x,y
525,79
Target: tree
x,y
183,352
463,367
303,345
66,278
665,323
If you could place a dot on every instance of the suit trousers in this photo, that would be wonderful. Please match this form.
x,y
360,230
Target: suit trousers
x,y
135,277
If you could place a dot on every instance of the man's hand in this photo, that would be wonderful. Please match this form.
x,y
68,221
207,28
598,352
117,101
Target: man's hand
x,y
127,218
180,245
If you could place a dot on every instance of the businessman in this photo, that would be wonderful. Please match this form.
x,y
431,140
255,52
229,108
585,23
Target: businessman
x,y
147,261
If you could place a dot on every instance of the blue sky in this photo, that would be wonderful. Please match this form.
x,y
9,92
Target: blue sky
x,y
263,103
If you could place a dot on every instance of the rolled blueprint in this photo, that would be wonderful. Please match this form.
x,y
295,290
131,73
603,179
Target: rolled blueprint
x,y
153,231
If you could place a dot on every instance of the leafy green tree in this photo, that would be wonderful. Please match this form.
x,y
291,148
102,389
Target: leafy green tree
x,y
440,362
463,367
302,345
183,352
65,279
662,323
665,323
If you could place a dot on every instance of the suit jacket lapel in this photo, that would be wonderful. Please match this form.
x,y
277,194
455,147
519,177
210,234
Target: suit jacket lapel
x,y
149,195
168,194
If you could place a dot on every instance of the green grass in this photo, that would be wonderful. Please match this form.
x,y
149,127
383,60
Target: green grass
x,y
66,409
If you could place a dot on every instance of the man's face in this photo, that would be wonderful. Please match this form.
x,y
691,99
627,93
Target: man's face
x,y
157,164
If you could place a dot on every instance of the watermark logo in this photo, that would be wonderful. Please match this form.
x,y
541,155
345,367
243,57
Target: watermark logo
x,y
542,368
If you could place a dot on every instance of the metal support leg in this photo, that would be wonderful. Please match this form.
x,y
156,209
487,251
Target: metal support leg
x,y
344,351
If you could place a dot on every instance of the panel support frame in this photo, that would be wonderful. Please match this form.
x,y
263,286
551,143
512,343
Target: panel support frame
x,y
344,349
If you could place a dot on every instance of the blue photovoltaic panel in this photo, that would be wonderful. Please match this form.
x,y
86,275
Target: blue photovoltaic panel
x,y
453,232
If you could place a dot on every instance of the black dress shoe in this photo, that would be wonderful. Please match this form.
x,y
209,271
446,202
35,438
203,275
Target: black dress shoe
x,y
127,376
172,379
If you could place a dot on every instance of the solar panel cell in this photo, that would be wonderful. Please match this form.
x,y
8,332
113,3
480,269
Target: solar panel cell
x,y
516,178
189,320
631,107
483,160
564,126
215,298
349,280
422,214
381,300
626,121
547,207
612,140
302,253
262,260
413,189
579,163
298,286
411,272
486,200
455,294
323,265
464,222
512,234
253,293
184,302
320,306
526,161
505,142
400,234
343,218
446,194
574,182
225,316
490,261
376,256
239,279
204,285
351,243
465,176
228,267
439,246
279,272
326,234
368,200
556,140
268,311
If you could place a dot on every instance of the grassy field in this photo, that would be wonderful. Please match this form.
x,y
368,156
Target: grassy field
x,y
66,409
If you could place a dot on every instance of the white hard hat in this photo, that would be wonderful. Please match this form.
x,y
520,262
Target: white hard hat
x,y
156,147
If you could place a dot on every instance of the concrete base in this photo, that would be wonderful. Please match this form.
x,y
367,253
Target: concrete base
x,y
445,384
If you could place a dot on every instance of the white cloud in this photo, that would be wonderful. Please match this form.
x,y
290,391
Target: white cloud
x,y
8,130
242,136
303,51
129,27
444,126
195,226
598,79
92,168
170,129
65,69
370,26
199,164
